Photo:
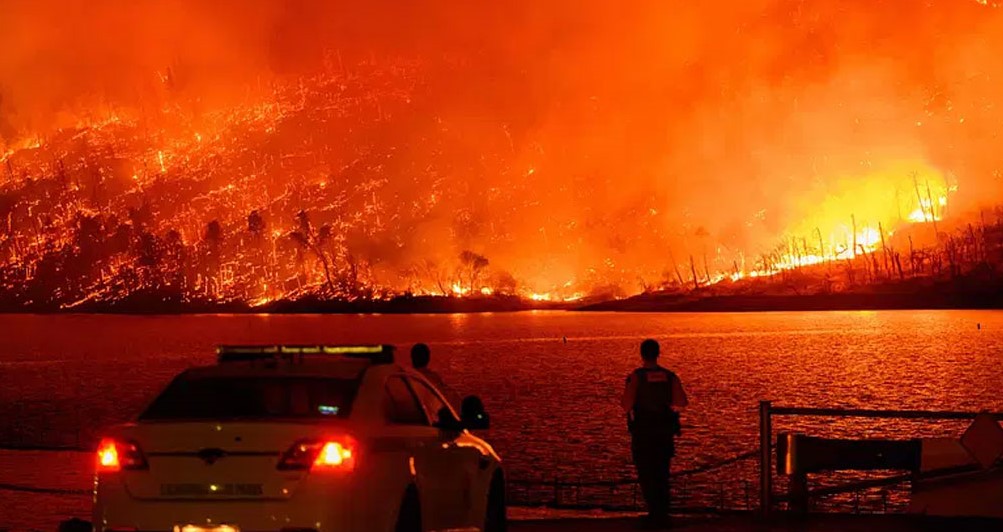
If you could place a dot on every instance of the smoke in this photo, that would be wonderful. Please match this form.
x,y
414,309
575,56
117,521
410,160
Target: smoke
x,y
601,139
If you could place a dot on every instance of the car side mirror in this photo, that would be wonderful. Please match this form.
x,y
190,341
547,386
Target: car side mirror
x,y
473,415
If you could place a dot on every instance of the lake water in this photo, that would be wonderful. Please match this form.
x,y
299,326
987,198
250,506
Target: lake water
x,y
550,380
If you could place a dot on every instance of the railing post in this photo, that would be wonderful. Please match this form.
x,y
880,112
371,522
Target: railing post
x,y
798,492
765,462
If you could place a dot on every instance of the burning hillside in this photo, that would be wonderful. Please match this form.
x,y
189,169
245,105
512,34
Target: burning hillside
x,y
209,154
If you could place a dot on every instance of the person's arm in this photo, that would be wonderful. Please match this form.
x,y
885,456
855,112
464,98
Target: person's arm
x,y
629,393
679,398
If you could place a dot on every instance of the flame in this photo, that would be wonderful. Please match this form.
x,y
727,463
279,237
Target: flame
x,y
164,204
881,199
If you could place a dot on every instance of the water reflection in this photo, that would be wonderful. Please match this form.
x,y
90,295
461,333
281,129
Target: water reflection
x,y
549,399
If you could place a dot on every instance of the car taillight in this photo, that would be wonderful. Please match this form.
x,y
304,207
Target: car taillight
x,y
114,455
338,454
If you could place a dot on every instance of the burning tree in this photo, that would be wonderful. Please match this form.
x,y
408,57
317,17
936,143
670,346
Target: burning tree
x,y
472,264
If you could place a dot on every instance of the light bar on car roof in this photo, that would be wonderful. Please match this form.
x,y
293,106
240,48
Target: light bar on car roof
x,y
377,354
354,349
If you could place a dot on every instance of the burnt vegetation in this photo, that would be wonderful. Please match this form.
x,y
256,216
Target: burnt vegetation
x,y
313,193
960,266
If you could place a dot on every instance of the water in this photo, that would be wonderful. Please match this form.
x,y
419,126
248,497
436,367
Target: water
x,y
554,403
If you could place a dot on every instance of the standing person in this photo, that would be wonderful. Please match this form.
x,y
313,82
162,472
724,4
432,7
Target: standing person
x,y
421,355
651,393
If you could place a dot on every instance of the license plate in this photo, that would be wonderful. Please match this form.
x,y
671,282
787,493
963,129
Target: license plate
x,y
207,528
210,490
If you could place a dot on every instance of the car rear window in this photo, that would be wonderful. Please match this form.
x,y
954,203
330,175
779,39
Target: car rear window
x,y
232,397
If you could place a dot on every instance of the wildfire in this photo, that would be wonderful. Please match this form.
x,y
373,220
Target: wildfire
x,y
927,212
194,214
388,175
207,240
860,220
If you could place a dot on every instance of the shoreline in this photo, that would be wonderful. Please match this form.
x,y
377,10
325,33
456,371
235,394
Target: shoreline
x,y
936,296
803,303
397,305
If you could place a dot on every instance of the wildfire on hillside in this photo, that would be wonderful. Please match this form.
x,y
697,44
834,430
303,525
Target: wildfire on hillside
x,y
505,157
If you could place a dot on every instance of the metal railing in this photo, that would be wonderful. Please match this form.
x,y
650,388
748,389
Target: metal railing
x,y
43,491
623,494
24,488
767,411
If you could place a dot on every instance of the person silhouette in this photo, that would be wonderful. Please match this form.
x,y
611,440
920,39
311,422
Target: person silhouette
x,y
421,356
649,399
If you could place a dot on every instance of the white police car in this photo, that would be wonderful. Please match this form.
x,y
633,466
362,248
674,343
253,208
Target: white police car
x,y
300,439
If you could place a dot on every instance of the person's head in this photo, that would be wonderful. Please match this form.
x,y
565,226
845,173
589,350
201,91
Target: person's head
x,y
649,350
420,356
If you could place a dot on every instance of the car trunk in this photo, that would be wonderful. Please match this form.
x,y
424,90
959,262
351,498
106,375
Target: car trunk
x,y
215,461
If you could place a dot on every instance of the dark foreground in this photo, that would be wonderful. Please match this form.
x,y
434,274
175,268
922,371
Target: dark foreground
x,y
745,523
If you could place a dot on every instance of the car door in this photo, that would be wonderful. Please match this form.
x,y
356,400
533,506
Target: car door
x,y
461,463
410,431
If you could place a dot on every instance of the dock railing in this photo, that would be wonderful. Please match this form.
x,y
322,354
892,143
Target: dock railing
x,y
690,492
767,412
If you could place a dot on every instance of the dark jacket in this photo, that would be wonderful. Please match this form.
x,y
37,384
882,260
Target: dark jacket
x,y
652,411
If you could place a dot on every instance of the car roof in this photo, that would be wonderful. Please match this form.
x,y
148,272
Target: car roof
x,y
369,377
335,369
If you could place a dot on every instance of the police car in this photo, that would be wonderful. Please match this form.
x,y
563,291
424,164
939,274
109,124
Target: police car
x,y
300,439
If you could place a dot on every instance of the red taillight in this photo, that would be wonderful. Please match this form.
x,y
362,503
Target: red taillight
x,y
114,456
108,456
337,454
